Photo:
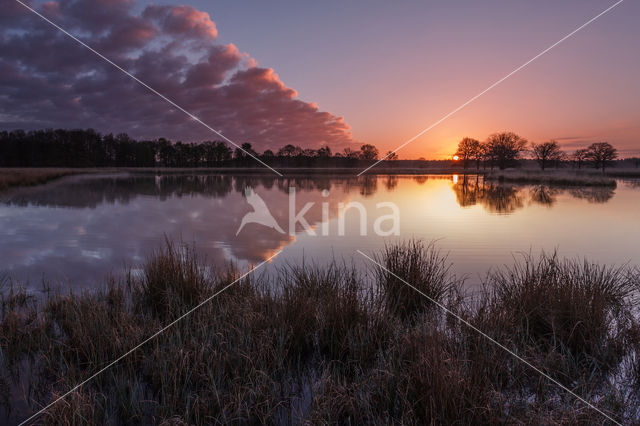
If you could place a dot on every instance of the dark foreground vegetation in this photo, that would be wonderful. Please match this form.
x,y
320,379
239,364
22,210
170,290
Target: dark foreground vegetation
x,y
325,345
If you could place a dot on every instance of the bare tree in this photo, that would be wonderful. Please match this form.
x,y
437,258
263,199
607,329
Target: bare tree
x,y
351,154
467,150
391,156
601,154
580,156
480,154
368,152
324,151
546,152
505,148
289,151
245,151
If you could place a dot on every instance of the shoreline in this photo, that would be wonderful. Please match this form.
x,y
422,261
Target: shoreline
x,y
25,177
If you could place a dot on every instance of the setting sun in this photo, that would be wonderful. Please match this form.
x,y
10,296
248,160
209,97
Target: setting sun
x,y
456,158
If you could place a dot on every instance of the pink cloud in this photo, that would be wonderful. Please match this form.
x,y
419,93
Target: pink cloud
x,y
183,21
54,82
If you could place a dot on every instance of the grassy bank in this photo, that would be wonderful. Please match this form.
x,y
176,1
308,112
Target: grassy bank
x,y
549,177
324,345
10,178
586,177
624,173
382,169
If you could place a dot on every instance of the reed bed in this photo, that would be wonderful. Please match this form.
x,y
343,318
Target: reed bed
x,y
324,344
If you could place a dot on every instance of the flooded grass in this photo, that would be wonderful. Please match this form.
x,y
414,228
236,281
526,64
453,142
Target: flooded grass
x,y
322,344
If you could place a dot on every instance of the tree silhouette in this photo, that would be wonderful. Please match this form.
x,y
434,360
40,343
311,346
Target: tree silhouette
x,y
601,154
324,152
88,148
505,148
289,151
580,156
480,155
368,152
351,154
468,149
546,152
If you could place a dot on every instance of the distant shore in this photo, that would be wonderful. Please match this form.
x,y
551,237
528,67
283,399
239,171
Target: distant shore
x,y
20,177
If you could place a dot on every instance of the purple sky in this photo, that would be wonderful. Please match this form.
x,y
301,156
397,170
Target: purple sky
x,y
287,72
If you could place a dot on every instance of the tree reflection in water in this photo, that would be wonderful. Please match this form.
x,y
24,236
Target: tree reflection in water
x,y
503,198
544,195
94,190
470,190
126,215
391,182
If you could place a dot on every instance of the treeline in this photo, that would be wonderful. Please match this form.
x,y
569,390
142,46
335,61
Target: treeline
x,y
88,148
504,149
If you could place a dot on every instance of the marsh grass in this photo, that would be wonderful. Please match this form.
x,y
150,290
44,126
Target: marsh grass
x,y
560,178
564,304
174,278
421,265
624,173
323,344
32,176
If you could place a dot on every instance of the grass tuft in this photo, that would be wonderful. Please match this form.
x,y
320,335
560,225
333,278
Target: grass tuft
x,y
322,344
422,266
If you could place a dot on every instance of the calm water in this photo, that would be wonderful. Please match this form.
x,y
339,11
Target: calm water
x,y
76,231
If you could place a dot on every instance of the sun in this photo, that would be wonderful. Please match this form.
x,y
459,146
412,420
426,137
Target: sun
x,y
456,158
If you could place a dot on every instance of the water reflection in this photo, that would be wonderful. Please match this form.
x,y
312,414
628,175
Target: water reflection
x,y
85,227
91,191
79,229
501,198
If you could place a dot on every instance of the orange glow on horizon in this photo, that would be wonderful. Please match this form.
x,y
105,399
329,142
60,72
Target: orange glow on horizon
x,y
456,158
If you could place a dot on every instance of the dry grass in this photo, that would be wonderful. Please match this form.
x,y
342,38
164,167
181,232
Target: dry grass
x,y
424,267
553,177
323,345
624,173
10,178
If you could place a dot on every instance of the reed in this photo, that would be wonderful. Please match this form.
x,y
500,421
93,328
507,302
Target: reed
x,y
324,344
420,265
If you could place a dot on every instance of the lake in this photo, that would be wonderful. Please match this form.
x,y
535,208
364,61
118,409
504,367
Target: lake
x,y
76,231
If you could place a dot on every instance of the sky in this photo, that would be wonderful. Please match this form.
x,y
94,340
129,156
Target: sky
x,y
337,73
